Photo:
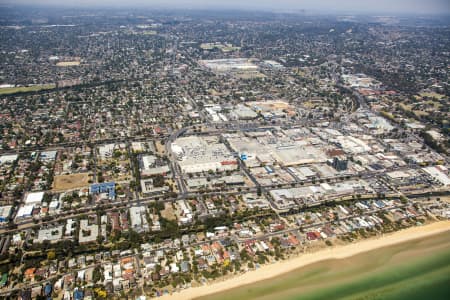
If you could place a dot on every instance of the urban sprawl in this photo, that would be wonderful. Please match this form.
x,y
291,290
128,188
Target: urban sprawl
x,y
146,153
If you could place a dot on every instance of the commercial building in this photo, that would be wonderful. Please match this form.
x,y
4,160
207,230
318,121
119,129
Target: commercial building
x,y
437,173
254,201
360,81
272,65
25,211
379,123
196,154
297,154
138,218
147,187
243,112
149,166
53,206
231,180
351,144
8,159
273,108
47,156
340,163
283,199
106,151
229,65
5,213
34,198
185,212
269,149
195,183
287,198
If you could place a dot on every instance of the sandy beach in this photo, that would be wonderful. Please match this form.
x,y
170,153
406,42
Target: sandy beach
x,y
337,252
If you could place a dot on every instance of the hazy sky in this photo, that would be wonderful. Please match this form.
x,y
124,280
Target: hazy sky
x,y
370,6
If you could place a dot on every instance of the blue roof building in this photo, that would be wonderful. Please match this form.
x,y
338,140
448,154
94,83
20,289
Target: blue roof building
x,y
4,280
78,294
104,187
48,289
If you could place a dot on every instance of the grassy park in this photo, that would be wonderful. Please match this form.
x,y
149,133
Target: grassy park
x,y
24,89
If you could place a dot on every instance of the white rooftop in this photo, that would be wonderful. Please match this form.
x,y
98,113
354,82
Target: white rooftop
x,y
8,158
34,198
25,211
438,175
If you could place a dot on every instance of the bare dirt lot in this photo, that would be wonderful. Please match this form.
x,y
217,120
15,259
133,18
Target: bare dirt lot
x,y
168,212
72,181
68,64
160,148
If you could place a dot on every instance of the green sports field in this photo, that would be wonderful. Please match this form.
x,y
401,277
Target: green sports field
x,y
23,89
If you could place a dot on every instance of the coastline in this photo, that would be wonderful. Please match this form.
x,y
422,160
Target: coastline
x,y
286,266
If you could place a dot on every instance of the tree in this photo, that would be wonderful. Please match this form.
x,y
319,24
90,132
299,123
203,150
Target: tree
x,y
100,293
258,191
97,275
100,177
158,181
51,255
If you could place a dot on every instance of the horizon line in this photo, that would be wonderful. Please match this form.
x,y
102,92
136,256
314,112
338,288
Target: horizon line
x,y
225,8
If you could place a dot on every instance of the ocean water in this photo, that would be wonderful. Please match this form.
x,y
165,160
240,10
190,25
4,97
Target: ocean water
x,y
414,270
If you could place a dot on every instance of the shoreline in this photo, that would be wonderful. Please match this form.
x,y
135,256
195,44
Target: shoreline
x,y
285,266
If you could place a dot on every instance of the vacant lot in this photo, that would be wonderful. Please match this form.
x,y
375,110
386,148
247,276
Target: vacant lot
x,y
418,113
160,148
72,181
168,213
23,89
432,95
68,63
